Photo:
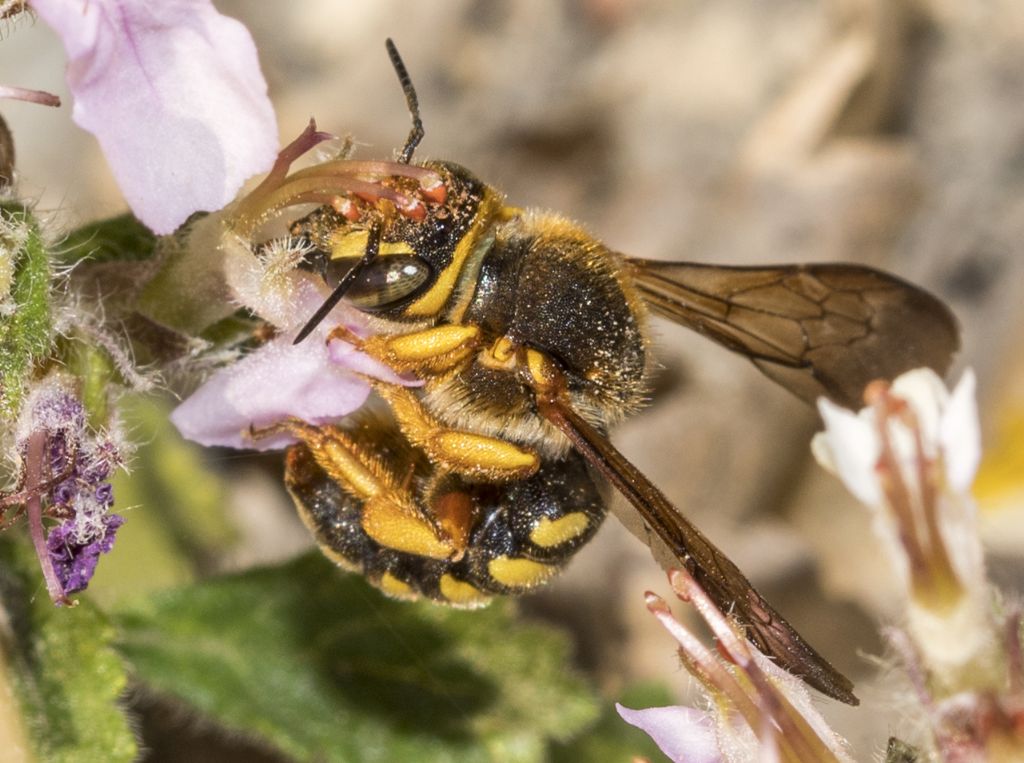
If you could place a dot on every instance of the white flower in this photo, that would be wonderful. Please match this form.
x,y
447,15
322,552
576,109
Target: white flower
x,y
911,457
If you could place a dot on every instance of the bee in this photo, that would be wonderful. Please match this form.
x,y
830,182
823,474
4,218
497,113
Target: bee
x,y
531,339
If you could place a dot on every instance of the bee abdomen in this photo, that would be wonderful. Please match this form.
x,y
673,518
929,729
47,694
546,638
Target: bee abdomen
x,y
524,531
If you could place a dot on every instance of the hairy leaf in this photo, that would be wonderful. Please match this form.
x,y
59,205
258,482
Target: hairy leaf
x,y
116,239
67,678
25,314
318,664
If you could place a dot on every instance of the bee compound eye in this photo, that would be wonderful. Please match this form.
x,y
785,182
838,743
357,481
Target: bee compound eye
x,y
388,280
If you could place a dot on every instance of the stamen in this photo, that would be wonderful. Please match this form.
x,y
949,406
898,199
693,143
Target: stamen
x,y
41,97
427,178
299,189
702,663
306,140
750,690
437,192
933,578
431,183
414,210
325,183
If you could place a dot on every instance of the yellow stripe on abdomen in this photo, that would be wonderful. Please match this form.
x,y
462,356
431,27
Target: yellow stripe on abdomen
x,y
548,533
520,573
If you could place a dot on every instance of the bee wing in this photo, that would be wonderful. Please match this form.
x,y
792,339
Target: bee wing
x,y
826,329
712,569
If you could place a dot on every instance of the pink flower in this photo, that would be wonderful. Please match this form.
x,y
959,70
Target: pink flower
x,y
317,381
757,711
174,94
312,381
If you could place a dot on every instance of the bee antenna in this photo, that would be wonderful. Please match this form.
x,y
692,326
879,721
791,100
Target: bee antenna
x,y
416,134
372,249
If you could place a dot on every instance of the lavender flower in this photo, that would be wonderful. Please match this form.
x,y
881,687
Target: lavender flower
x,y
174,94
75,557
67,468
317,381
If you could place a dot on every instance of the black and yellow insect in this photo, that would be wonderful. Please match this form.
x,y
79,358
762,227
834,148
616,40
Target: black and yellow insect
x,y
531,339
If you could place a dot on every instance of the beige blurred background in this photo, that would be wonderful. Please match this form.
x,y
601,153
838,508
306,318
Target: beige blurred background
x,y
889,132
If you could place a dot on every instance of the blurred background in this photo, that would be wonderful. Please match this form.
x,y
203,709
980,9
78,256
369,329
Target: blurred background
x,y
886,132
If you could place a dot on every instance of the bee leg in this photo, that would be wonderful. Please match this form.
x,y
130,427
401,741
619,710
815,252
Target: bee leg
x,y
428,352
390,515
468,454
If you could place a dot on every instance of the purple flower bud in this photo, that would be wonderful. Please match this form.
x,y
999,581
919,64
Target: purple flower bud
x,y
105,494
65,492
58,453
96,474
67,467
57,540
75,559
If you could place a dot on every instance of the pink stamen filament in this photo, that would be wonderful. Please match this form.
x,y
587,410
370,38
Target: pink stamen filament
x,y
256,209
429,180
702,664
332,179
941,566
41,97
933,578
306,140
796,740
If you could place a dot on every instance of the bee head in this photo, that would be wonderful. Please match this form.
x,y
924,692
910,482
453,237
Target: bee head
x,y
396,249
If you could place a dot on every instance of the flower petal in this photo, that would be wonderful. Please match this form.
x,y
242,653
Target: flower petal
x,y
317,381
960,435
358,362
278,381
174,94
849,447
682,733
927,395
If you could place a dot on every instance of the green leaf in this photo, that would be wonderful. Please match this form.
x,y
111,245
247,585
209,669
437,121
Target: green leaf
x,y
175,281
320,665
116,239
25,325
612,738
66,676
189,292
